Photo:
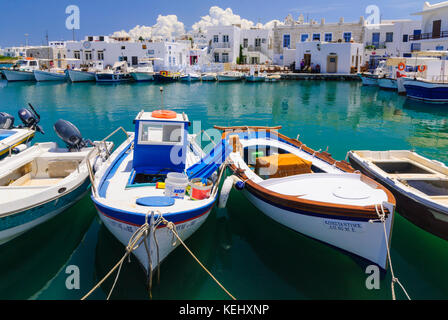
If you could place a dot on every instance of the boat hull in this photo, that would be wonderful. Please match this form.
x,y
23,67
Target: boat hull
x,y
16,75
368,80
359,237
161,78
142,76
228,78
14,225
387,83
255,79
49,76
80,76
425,216
190,78
427,91
122,228
208,78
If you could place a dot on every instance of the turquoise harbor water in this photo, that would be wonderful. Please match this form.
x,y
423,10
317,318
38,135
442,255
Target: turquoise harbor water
x,y
254,257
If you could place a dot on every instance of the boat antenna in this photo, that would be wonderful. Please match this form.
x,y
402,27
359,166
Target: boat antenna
x,y
161,95
34,110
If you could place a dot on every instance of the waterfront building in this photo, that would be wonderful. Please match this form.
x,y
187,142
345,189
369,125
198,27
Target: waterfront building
x,y
167,55
13,52
257,45
286,36
224,43
331,57
51,56
434,28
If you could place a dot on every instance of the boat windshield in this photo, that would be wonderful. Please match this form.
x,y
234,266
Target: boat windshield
x,y
21,63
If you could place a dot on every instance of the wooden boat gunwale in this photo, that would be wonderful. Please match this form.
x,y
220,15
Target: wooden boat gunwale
x,y
336,211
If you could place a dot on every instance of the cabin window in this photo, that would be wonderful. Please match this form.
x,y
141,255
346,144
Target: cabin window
x,y
161,133
33,63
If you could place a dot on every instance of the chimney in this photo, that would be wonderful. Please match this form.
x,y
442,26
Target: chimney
x,y
341,20
322,21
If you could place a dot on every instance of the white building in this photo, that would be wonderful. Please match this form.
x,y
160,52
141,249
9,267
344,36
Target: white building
x,y
14,52
434,31
224,43
257,45
390,37
169,55
341,58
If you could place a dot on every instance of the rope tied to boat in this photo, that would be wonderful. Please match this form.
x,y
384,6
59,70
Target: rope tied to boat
x,y
382,219
172,227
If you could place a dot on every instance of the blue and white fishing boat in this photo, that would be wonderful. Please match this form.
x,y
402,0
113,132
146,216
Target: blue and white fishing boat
x,y
146,179
50,75
190,77
118,73
426,90
44,180
22,70
14,139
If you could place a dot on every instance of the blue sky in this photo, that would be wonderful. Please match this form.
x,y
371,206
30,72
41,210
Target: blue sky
x,y
106,16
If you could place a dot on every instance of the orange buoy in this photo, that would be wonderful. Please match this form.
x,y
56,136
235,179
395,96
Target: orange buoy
x,y
164,114
421,68
401,66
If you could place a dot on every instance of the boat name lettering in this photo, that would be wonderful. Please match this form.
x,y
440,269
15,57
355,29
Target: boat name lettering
x,y
344,226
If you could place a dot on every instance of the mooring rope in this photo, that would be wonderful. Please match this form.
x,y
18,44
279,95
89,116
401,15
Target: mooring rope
x,y
382,217
141,235
172,227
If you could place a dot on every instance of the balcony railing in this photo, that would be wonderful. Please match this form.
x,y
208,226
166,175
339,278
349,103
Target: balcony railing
x,y
377,45
221,45
430,35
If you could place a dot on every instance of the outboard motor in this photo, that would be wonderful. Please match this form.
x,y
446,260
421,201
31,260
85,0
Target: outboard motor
x,y
30,118
6,121
70,135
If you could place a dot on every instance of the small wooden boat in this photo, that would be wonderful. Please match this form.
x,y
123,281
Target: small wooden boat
x,y
420,185
166,76
145,180
190,77
14,139
310,192
22,70
80,75
426,90
118,73
230,76
44,180
209,76
50,75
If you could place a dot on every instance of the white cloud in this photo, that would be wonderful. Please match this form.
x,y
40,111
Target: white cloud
x,y
220,17
166,27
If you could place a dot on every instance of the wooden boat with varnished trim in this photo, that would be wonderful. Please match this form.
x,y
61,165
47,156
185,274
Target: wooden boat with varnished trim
x,y
310,192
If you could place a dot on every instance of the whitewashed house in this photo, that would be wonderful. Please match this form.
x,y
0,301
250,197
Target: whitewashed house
x,y
292,32
14,52
434,31
257,45
224,43
340,58
168,55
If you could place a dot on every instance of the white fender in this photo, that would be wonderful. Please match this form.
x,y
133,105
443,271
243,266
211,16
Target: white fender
x,y
225,190
19,148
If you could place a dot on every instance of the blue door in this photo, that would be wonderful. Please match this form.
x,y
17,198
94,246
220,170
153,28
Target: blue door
x,y
376,39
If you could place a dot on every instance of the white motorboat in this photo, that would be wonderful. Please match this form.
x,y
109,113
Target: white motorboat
x,y
85,73
419,184
44,180
143,72
209,76
310,192
118,73
15,139
256,75
230,76
50,75
190,77
22,70
145,180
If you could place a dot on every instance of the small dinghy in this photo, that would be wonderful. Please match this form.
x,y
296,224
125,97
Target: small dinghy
x,y
420,185
146,179
310,192
15,139
44,180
